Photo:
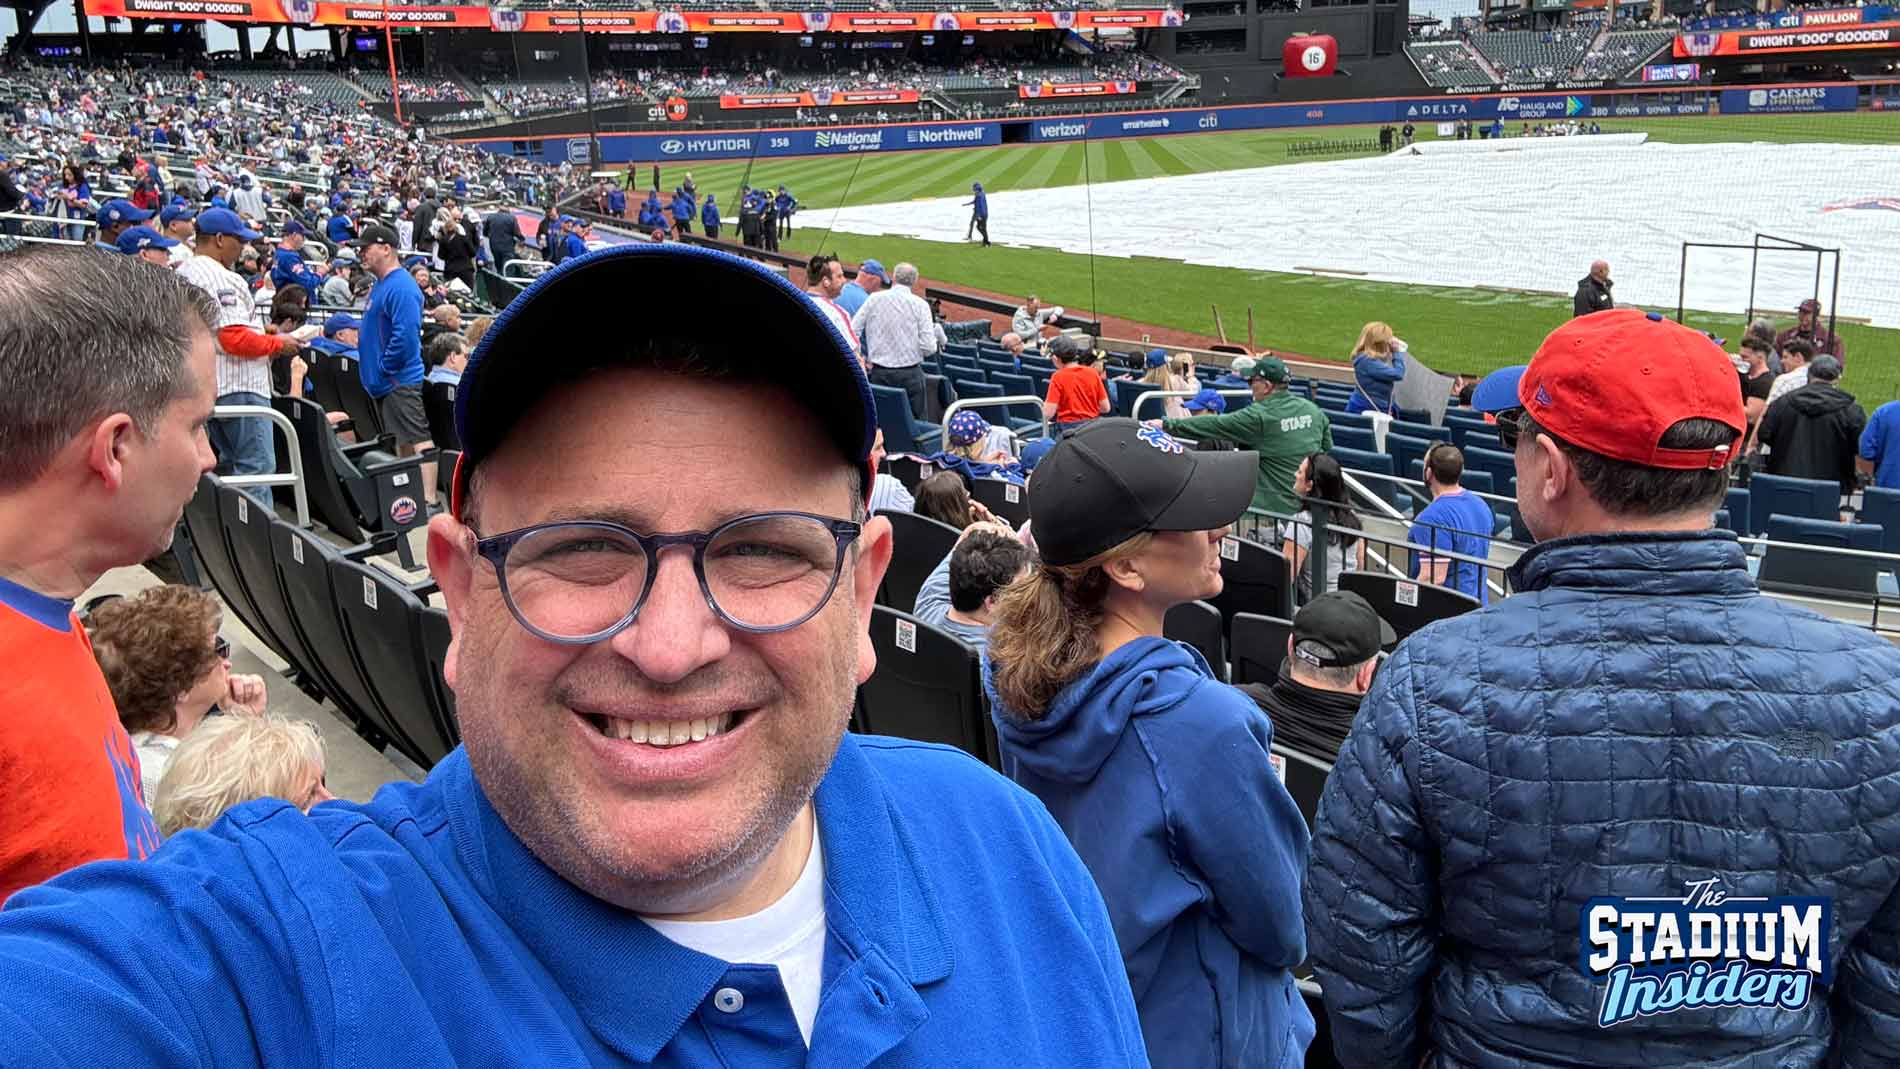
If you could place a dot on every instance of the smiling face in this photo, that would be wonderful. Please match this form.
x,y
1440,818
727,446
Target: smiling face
x,y
549,728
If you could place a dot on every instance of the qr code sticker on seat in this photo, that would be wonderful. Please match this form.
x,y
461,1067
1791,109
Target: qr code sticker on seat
x,y
1230,549
1406,594
907,636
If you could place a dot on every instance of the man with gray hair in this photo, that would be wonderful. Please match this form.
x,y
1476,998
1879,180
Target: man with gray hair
x,y
108,362
898,332
1332,654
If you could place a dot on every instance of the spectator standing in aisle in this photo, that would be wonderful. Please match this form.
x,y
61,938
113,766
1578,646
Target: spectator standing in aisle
x,y
1077,394
1280,427
1794,373
503,231
898,332
870,279
1814,432
1330,660
1593,291
1757,381
1156,770
288,266
110,367
178,221
245,445
1378,361
1456,520
1808,328
656,803
1512,766
979,205
824,280
390,344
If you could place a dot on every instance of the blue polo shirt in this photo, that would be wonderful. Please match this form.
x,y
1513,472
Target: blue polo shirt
x,y
390,339
417,932
1880,443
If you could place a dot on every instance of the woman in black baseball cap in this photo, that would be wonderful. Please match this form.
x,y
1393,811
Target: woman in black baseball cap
x,y
1156,770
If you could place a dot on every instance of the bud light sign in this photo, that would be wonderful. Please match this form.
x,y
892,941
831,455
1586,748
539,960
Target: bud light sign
x,y
1786,98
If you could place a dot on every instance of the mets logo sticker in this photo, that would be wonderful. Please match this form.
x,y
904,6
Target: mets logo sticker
x,y
403,509
1704,950
1159,439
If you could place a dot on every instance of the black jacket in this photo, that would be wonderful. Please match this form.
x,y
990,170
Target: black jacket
x,y
1307,719
9,193
1813,433
1593,295
504,233
457,250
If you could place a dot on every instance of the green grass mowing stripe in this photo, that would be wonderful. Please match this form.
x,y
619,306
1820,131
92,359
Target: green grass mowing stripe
x,y
893,179
1164,160
1021,162
1116,164
1068,167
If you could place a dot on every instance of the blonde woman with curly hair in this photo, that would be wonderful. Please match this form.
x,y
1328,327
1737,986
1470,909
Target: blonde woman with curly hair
x,y
1378,361
1156,770
231,760
167,668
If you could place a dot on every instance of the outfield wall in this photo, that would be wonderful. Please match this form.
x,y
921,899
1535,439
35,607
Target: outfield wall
x,y
687,145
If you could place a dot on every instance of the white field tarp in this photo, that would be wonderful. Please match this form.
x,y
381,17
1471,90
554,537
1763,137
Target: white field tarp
x,y
1524,213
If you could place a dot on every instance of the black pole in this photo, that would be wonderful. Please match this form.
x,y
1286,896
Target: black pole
x,y
85,31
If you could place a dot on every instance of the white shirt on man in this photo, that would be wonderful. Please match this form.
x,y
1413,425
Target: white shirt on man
x,y
788,934
897,328
235,308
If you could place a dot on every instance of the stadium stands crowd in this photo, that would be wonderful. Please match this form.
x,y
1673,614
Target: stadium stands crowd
x,y
1062,735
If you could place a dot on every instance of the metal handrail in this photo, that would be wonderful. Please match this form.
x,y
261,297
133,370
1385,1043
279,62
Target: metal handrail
x,y
1134,410
542,264
292,479
993,402
56,220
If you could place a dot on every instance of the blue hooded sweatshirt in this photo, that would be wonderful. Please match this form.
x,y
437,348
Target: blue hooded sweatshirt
x,y
682,207
1158,773
709,215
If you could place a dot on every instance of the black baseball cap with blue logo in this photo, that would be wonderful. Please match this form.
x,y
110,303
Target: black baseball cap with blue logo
x,y
1114,478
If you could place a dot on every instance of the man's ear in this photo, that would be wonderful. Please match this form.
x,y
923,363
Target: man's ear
x,y
873,558
108,447
1363,681
451,552
1560,475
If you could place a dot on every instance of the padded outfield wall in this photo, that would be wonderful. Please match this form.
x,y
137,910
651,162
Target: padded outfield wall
x,y
688,145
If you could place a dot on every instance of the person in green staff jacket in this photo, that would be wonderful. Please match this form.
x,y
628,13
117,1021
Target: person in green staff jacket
x,y
1283,427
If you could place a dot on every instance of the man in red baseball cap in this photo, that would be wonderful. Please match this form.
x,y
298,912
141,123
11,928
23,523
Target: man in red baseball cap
x,y
1635,723
1808,328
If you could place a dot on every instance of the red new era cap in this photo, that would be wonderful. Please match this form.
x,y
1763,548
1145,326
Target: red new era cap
x,y
1614,382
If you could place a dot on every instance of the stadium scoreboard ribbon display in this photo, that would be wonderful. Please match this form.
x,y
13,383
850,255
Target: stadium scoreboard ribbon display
x,y
821,99
333,13
1768,42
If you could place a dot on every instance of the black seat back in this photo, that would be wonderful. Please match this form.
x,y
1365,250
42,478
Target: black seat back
x,y
909,470
438,401
435,645
326,471
927,686
302,560
208,541
1304,776
1406,604
1009,501
1257,646
1254,579
384,623
1198,624
247,532
919,544
323,384
356,400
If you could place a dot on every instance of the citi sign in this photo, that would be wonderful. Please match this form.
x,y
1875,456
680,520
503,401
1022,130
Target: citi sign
x,y
673,146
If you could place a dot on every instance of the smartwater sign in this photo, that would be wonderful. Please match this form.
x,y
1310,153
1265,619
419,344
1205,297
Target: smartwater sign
x,y
819,142
1789,98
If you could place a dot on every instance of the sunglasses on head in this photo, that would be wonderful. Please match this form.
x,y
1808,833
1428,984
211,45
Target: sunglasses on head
x,y
1510,426
222,647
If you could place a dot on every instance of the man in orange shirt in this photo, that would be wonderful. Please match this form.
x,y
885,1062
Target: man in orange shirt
x,y
1076,392
110,384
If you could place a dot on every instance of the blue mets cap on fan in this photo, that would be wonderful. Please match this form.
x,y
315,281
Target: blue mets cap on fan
x,y
514,366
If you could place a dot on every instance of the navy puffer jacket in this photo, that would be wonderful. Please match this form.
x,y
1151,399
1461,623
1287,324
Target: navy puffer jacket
x,y
1636,718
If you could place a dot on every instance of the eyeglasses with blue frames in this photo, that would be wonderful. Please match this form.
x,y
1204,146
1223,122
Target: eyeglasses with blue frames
x,y
584,581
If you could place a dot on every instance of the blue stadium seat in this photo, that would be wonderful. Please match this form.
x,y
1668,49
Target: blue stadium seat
x,y
1484,440
961,348
950,360
1501,465
902,434
996,367
1459,426
1349,419
1882,507
1407,415
1353,438
1780,495
1825,574
1018,386
1427,431
1721,522
1366,460
1122,396
962,378
1735,503
1404,449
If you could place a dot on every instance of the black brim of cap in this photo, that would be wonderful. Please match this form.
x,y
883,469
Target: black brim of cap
x,y
1216,495
569,321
